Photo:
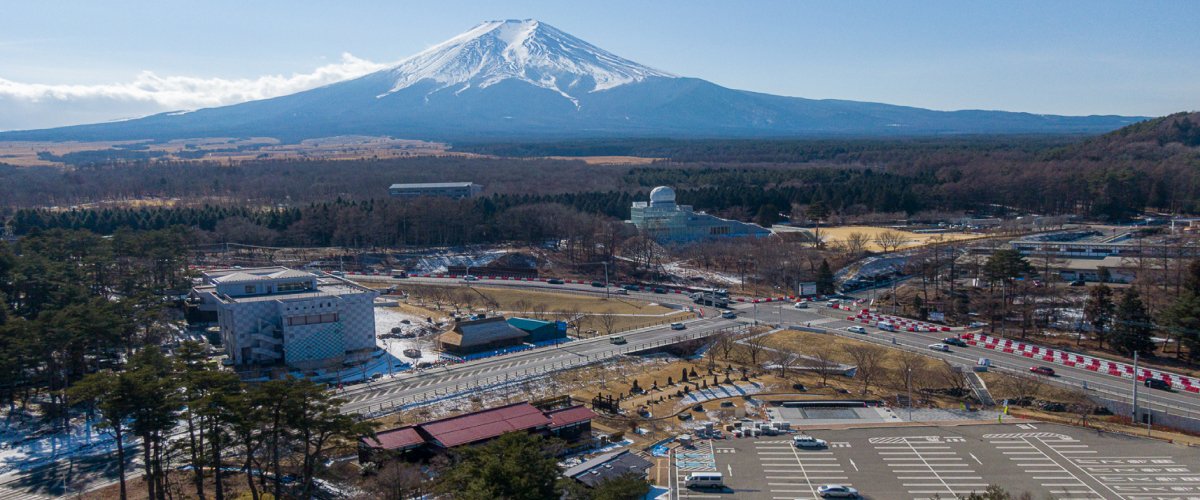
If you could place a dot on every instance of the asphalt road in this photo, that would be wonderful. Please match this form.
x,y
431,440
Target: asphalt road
x,y
385,395
833,320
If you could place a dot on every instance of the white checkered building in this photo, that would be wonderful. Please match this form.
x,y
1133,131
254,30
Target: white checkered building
x,y
276,316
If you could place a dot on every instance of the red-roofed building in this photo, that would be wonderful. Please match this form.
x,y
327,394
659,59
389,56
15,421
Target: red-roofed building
x,y
431,437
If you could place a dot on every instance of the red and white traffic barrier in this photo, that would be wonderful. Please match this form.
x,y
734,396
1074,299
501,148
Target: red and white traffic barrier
x,y
1113,368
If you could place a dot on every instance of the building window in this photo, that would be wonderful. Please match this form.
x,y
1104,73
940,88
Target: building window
x,y
291,287
250,288
312,319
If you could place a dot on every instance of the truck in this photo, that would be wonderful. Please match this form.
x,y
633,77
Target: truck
x,y
710,299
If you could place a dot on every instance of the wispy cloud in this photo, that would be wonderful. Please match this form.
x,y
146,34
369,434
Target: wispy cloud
x,y
149,89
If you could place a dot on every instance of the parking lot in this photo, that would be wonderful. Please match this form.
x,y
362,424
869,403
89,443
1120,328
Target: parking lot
x,y
1047,460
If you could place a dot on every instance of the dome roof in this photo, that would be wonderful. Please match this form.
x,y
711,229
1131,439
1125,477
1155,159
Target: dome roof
x,y
662,194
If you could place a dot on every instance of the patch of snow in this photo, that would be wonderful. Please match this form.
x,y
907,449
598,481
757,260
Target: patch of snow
x,y
524,50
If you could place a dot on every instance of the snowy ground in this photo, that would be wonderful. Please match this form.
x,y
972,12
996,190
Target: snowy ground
x,y
677,269
26,443
718,392
438,262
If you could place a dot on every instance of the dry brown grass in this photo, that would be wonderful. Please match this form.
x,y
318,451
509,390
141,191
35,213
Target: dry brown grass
x,y
836,234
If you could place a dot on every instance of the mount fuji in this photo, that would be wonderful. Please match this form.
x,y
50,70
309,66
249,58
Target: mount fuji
x,y
526,79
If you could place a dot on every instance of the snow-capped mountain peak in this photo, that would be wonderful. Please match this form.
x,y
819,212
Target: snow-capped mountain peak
x,y
525,50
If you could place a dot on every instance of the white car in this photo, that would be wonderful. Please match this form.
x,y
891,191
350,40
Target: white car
x,y
470,278
856,329
801,305
678,326
940,347
806,441
837,491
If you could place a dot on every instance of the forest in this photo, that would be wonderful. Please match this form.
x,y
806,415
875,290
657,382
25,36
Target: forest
x,y
1152,166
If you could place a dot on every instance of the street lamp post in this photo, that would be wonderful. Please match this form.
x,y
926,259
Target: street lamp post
x,y
908,385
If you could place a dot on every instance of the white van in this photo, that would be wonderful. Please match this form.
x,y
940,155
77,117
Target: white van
x,y
704,480
885,326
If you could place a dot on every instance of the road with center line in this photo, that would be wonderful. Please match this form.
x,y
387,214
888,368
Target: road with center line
x,y
833,321
775,313
431,384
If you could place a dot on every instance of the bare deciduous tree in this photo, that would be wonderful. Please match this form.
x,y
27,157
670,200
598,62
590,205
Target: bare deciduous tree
x,y
783,361
946,376
608,321
869,362
823,353
890,241
725,342
755,344
856,243
1023,388
912,367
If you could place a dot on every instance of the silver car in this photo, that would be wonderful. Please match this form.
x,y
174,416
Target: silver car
x,y
837,491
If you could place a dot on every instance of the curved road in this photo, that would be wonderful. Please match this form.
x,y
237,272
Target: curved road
x,y
833,321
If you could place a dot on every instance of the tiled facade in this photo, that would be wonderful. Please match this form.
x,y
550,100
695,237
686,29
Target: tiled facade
x,y
278,316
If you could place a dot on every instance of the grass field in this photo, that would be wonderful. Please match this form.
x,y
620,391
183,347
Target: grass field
x,y
835,234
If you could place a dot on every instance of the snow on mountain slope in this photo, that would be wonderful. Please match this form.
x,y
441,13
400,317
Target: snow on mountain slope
x,y
525,50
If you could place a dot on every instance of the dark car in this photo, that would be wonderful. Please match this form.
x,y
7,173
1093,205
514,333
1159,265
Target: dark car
x,y
598,284
1078,283
1155,383
632,288
1042,370
660,290
954,341
555,281
799,387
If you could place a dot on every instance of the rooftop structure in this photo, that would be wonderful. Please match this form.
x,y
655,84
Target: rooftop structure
x,y
274,316
481,426
666,221
1104,242
608,466
441,189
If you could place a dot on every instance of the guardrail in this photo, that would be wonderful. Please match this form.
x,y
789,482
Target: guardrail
x,y
1117,369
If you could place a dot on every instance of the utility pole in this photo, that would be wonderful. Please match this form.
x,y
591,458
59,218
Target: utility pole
x,y
908,385
606,294
1135,384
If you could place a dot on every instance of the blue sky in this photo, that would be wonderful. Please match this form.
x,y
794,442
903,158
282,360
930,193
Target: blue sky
x,y
75,61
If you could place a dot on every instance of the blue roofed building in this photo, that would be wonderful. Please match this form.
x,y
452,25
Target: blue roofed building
x,y
538,330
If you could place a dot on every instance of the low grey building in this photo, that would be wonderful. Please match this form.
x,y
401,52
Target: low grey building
x,y
666,221
437,189
608,466
275,316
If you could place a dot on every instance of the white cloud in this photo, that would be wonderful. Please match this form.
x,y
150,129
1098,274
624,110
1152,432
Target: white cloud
x,y
149,92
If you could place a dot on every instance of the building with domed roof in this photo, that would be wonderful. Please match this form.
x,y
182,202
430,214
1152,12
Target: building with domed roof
x,y
668,222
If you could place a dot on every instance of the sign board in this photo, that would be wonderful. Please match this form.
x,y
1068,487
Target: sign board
x,y
807,288
937,316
